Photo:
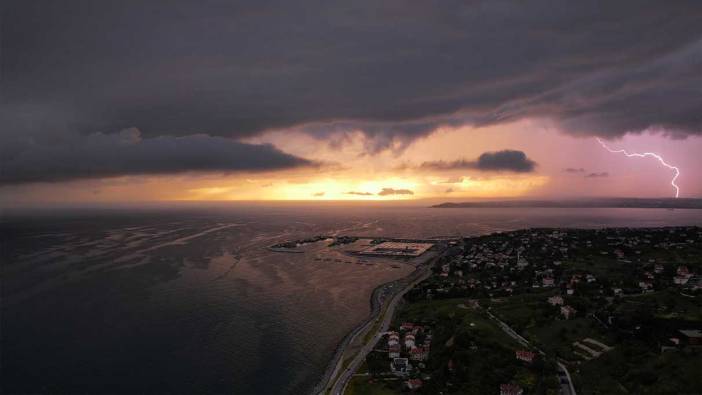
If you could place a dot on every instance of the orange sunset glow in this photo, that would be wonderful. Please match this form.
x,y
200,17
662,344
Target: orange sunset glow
x,y
350,197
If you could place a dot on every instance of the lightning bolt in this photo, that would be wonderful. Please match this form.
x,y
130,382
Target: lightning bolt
x,y
644,155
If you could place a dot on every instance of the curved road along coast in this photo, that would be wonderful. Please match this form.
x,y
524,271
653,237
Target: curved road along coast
x,y
377,298
341,375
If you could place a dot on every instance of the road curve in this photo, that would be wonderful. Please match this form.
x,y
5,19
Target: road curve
x,y
336,363
569,389
343,378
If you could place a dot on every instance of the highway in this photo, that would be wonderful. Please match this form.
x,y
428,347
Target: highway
x,y
378,298
343,378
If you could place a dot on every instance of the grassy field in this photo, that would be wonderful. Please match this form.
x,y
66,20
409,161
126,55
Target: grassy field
x,y
540,323
429,310
448,309
630,371
361,385
521,311
558,336
667,304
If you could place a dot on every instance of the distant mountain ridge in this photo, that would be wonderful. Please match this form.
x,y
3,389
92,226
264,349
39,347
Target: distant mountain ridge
x,y
671,203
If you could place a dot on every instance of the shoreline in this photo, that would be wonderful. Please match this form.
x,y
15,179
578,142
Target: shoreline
x,y
333,368
376,309
625,203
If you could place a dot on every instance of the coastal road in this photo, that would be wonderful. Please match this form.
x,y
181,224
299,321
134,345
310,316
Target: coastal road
x,y
378,299
343,378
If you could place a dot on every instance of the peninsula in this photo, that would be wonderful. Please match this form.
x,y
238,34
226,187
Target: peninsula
x,y
666,203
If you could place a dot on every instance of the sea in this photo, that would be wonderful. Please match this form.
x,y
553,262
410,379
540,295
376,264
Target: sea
x,y
188,299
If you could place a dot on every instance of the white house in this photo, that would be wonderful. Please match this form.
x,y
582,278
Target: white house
x,y
409,341
394,351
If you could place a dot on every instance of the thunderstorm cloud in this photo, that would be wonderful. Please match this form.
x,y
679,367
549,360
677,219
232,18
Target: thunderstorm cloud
x,y
127,153
394,71
505,160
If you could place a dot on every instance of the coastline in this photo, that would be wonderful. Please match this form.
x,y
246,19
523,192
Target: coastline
x,y
376,309
341,346
642,203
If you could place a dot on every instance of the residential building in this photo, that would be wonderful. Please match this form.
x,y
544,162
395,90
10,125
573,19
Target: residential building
x,y
419,354
394,351
409,341
526,356
556,300
413,384
568,312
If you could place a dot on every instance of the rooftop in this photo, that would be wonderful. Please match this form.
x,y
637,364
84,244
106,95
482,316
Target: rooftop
x,y
392,248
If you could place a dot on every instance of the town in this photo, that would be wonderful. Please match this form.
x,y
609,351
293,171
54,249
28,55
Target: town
x,y
549,311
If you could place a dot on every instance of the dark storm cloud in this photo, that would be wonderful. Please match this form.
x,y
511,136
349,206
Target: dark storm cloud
x,y
393,70
392,191
505,160
126,153
574,170
597,175
359,193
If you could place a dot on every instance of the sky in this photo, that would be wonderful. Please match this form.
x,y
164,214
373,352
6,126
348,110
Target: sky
x,y
119,101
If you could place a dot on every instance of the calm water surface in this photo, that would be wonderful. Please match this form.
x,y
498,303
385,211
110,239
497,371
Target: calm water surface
x,y
189,300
